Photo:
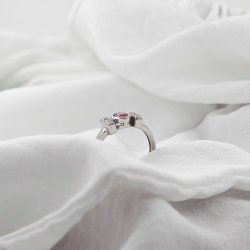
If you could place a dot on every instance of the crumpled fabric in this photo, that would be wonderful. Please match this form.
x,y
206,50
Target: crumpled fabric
x,y
184,66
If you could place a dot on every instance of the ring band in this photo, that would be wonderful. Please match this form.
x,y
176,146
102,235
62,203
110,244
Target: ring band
x,y
121,120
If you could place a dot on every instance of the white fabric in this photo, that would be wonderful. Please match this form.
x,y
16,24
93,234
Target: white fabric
x,y
182,65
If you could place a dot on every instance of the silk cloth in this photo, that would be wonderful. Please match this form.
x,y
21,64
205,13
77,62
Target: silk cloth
x,y
182,65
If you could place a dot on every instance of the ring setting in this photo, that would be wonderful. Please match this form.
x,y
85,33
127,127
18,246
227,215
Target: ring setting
x,y
122,120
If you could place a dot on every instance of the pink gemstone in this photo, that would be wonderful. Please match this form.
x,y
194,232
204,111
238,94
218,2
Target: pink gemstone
x,y
120,114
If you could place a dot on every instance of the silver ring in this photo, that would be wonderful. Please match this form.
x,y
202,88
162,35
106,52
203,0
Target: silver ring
x,y
121,120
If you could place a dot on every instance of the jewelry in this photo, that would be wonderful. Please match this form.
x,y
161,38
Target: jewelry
x,y
121,120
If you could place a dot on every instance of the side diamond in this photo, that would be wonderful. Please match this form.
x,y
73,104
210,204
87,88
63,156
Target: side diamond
x,y
106,121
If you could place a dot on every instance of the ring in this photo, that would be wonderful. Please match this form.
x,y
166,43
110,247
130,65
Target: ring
x,y
121,120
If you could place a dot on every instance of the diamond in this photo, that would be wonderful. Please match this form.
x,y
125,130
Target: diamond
x,y
106,121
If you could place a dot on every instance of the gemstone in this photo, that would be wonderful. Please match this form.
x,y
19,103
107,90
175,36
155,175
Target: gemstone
x,y
107,121
120,114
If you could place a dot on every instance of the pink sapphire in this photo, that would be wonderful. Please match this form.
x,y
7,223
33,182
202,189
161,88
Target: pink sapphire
x,y
120,114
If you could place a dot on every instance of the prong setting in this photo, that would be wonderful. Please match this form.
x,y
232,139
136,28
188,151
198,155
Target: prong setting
x,y
121,120
109,124
136,120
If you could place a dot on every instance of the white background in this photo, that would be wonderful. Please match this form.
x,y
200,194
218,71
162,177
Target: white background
x,y
47,17
42,17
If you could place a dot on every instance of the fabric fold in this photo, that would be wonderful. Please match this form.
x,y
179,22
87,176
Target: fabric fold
x,y
82,178
181,64
203,62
